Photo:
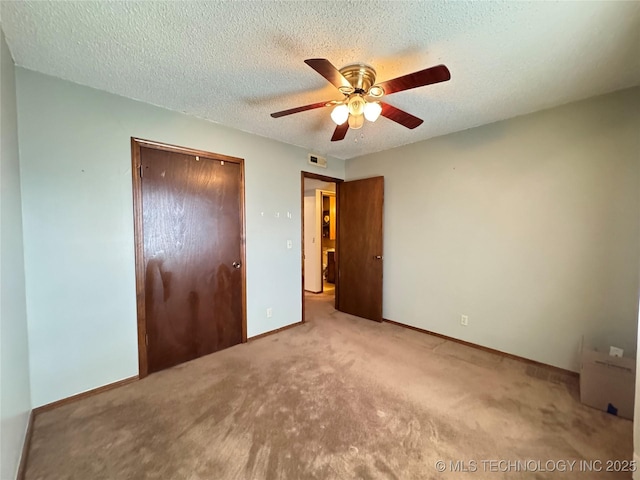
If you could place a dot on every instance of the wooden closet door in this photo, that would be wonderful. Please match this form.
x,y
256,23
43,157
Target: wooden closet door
x,y
192,229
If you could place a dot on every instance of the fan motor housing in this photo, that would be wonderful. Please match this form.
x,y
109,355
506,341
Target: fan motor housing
x,y
360,76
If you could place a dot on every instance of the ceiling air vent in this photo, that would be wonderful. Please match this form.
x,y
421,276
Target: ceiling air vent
x,y
317,161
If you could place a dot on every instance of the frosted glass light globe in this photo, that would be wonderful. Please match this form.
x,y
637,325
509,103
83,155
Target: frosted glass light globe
x,y
372,111
356,122
340,114
356,105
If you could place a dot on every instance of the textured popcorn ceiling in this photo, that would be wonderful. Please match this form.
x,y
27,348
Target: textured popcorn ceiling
x,y
236,62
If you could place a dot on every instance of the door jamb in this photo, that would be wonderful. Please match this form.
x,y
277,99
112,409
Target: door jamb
x,y
323,178
138,231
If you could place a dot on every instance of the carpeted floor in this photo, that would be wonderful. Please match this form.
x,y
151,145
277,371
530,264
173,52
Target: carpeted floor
x,y
336,398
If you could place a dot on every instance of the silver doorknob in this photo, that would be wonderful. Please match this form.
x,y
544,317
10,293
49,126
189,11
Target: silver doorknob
x,y
236,265
377,257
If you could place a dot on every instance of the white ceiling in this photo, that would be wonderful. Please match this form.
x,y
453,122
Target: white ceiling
x,y
236,62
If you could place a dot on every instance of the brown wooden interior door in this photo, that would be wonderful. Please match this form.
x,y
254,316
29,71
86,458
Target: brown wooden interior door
x,y
359,248
192,230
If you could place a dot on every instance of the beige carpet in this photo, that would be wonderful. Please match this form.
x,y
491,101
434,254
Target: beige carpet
x,y
336,398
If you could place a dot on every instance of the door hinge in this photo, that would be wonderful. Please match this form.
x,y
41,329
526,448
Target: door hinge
x,y
146,339
140,171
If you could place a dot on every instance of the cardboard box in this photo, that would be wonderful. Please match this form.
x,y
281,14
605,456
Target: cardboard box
x,y
608,383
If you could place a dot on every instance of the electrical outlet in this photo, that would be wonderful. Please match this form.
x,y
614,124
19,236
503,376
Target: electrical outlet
x,y
464,320
269,312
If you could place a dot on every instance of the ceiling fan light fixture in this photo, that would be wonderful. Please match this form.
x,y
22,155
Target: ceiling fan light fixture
x,y
356,122
340,114
372,111
357,84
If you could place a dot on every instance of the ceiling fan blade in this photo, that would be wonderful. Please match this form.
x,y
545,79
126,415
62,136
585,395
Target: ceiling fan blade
x,y
325,68
300,109
400,116
340,132
428,76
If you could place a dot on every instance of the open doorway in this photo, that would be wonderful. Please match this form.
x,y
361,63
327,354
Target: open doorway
x,y
319,217
319,236
353,258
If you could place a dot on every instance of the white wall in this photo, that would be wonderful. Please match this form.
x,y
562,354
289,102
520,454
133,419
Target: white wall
x,y
529,226
15,396
78,227
312,242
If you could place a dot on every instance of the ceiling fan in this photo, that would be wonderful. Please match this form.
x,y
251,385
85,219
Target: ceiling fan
x,y
357,82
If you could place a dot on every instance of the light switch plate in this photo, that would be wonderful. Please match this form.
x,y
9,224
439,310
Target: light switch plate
x,y
616,352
